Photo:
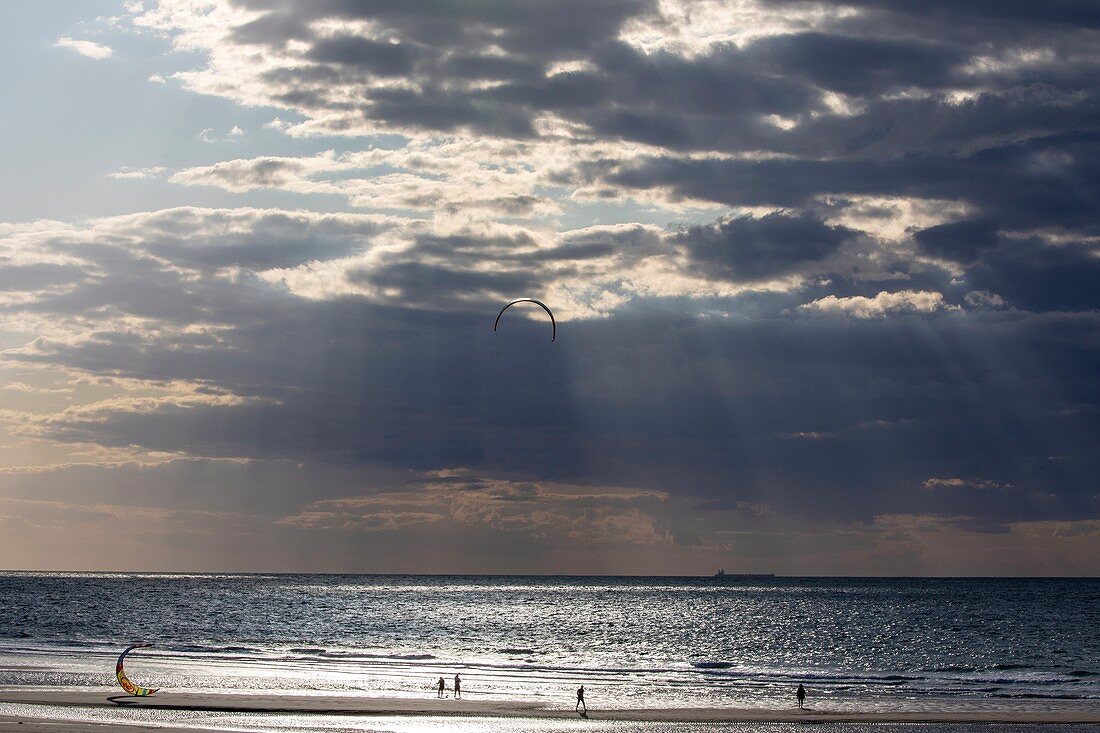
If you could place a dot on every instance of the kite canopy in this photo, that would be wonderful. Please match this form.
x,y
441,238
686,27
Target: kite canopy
x,y
120,674
553,323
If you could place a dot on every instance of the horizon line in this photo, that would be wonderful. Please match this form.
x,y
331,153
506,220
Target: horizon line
x,y
777,576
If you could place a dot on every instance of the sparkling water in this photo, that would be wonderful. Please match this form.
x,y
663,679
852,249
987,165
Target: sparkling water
x,y
855,643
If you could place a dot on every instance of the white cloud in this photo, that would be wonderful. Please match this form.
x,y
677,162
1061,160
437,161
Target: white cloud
x,y
894,218
29,389
983,299
883,304
975,484
278,124
157,79
452,177
207,134
90,49
694,26
127,173
545,511
442,176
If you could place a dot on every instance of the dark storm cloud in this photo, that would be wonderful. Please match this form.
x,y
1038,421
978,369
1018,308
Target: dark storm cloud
x,y
469,271
1071,14
441,51
445,111
274,29
961,241
33,277
891,128
476,66
749,248
858,66
722,82
383,59
527,25
715,411
311,74
1044,182
416,279
834,417
623,94
1037,276
275,240
1024,72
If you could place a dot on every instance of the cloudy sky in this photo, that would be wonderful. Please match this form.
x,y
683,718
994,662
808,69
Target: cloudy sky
x,y
827,281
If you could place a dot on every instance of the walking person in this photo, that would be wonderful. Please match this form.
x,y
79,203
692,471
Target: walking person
x,y
440,686
580,707
458,687
801,695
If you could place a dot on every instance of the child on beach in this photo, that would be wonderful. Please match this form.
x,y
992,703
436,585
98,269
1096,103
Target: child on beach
x,y
440,686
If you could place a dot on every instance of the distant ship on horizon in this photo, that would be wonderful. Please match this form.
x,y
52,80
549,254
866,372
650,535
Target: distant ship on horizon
x,y
724,574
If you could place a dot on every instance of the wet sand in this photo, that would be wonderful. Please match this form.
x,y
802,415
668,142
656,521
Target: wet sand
x,y
214,702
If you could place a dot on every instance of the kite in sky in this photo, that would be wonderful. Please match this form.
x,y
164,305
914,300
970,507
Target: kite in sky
x,y
553,323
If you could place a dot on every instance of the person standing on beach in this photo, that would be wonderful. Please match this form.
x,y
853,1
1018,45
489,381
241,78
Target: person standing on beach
x,y
801,695
458,687
580,707
440,687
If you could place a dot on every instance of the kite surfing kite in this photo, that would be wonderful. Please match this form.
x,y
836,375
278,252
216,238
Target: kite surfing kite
x,y
123,680
553,323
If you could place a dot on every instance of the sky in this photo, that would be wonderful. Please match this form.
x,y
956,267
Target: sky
x,y
826,277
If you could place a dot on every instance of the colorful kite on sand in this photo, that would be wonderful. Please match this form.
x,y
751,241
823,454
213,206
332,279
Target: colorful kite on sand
x,y
123,680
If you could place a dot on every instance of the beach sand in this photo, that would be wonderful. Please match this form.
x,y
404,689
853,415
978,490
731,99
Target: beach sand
x,y
346,705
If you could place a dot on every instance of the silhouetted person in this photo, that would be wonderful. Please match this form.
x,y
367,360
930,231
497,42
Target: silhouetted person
x,y
801,695
458,687
580,707
440,687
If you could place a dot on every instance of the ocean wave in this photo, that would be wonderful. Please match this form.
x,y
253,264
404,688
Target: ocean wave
x,y
207,649
1039,679
1044,696
82,643
953,668
516,650
727,669
843,677
364,655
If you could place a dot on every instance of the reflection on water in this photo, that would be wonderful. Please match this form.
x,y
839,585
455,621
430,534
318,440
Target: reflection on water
x,y
633,642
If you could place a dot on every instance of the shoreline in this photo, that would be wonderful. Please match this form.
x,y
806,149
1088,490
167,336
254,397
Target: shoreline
x,y
346,705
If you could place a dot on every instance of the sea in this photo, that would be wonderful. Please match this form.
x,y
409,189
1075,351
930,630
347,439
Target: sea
x,y
856,644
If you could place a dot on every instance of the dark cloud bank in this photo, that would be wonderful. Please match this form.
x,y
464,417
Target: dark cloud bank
x,y
835,416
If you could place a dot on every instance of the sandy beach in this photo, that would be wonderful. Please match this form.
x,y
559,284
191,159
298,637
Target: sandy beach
x,y
344,705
